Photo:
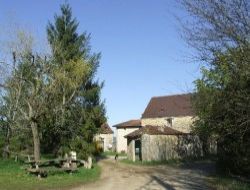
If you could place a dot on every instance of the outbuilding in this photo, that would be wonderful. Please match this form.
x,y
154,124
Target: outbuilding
x,y
157,143
166,131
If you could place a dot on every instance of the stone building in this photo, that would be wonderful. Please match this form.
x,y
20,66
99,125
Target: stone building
x,y
173,111
104,138
122,129
165,132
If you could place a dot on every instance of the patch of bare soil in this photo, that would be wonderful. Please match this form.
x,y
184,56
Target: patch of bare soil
x,y
116,175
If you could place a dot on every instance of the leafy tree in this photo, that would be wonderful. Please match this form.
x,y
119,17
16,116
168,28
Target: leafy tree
x,y
77,93
220,31
24,100
22,97
55,99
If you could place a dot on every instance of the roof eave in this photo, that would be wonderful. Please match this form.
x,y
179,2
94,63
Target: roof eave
x,y
154,117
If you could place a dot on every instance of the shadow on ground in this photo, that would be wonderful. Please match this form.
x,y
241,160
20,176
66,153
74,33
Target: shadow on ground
x,y
187,176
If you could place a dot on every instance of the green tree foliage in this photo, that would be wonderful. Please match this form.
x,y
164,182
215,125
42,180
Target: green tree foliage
x,y
222,103
55,99
220,32
77,93
25,100
65,42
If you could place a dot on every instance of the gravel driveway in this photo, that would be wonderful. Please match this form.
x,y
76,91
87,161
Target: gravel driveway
x,y
119,176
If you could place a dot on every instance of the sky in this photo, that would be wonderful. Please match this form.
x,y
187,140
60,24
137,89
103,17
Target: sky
x,y
143,54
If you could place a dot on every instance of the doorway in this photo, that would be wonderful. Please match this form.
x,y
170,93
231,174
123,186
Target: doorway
x,y
138,150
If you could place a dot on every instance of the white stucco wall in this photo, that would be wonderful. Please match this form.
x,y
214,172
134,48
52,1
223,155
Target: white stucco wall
x,y
121,141
108,140
182,124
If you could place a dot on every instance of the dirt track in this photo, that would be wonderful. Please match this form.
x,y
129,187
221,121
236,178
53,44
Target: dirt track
x,y
116,175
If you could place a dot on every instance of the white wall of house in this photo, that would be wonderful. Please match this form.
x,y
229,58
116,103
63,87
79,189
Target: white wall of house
x,y
121,141
107,139
182,124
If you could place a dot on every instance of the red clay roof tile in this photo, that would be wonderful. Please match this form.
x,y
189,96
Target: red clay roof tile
x,y
105,129
130,123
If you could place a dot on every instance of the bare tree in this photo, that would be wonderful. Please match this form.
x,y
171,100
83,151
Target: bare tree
x,y
220,32
216,25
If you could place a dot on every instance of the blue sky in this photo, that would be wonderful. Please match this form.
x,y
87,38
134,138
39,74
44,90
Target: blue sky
x,y
143,54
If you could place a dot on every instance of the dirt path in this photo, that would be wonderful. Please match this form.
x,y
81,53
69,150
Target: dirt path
x,y
128,177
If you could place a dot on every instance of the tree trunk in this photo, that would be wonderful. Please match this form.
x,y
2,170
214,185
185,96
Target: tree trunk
x,y
36,140
6,150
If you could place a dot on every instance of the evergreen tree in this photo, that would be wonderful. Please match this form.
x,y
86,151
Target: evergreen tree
x,y
82,111
63,38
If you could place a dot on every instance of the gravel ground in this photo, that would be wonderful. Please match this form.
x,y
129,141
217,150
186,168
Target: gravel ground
x,y
116,175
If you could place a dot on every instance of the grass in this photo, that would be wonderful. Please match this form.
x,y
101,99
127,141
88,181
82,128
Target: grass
x,y
220,182
13,176
172,162
152,163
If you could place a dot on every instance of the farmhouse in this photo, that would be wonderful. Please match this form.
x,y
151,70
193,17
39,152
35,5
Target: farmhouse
x,y
173,111
165,132
104,138
123,129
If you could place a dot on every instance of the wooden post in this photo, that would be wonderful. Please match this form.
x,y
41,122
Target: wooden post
x,y
16,158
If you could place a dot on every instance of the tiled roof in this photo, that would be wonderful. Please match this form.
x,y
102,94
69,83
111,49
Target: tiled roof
x,y
105,129
169,106
153,130
130,123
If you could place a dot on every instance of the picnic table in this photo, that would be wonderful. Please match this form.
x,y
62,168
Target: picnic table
x,y
43,172
43,167
54,162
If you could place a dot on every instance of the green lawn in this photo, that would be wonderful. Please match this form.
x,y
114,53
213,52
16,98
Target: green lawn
x,y
13,176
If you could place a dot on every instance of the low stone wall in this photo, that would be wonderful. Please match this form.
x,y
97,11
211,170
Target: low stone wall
x,y
165,147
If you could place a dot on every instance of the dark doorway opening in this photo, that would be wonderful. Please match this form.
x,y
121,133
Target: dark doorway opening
x,y
138,150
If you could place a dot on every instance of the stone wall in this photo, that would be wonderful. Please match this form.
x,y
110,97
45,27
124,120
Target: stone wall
x,y
121,141
182,124
165,147
158,147
131,150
